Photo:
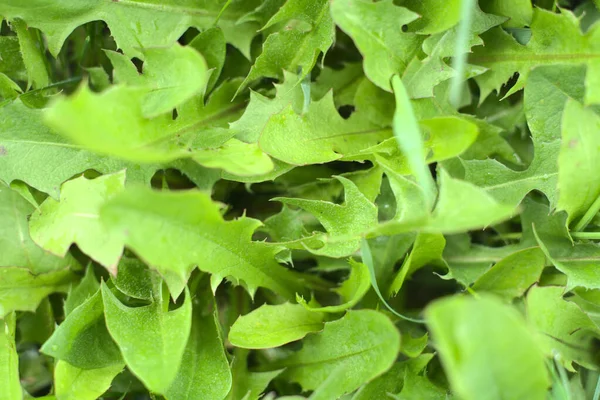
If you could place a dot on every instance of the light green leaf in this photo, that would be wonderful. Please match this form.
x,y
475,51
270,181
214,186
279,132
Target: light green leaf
x,y
564,328
445,44
295,48
236,157
344,222
204,371
260,108
173,231
319,136
351,291
73,383
112,123
519,12
82,339
16,247
578,183
172,75
486,349
427,249
135,25
555,39
435,15
513,275
376,29
371,345
272,326
462,206
33,55
55,226
155,356
31,152
9,360
20,290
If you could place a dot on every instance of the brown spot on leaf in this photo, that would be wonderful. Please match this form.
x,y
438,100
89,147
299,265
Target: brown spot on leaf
x,y
2,151
573,143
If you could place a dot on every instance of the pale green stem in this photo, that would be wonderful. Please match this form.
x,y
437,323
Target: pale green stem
x,y
459,61
597,391
221,12
588,216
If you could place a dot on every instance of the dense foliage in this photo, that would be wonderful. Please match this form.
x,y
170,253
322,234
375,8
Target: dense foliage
x,y
322,199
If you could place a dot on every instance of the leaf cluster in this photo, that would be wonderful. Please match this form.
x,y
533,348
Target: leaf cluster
x,y
299,199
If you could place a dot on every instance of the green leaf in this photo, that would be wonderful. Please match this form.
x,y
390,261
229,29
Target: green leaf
x,y
344,83
11,61
16,247
578,185
155,356
76,219
8,89
546,94
73,383
371,345
555,39
393,380
126,134
564,328
172,75
577,261
376,29
427,249
351,291
134,25
20,290
136,280
344,222
9,360
260,108
44,160
247,385
486,349
319,136
204,372
295,47
33,57
273,326
513,275
211,44
462,206
156,224
80,293
82,339
436,15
